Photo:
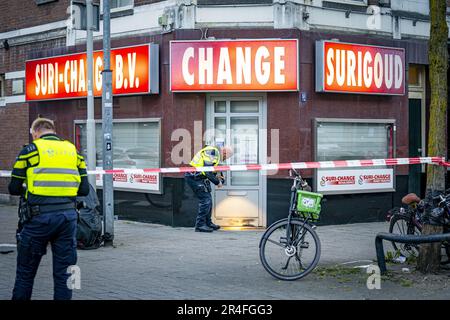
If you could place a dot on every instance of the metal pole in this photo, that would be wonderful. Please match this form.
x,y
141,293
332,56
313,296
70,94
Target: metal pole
x,y
107,113
90,123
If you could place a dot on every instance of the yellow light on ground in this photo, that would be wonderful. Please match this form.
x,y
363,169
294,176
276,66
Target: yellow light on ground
x,y
240,228
234,209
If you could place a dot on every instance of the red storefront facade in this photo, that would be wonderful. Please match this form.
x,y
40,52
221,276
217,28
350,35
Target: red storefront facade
x,y
295,123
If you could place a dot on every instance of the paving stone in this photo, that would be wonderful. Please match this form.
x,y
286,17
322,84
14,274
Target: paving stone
x,y
159,262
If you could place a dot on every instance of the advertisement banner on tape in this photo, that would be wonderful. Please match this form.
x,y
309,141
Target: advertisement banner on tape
x,y
137,182
361,180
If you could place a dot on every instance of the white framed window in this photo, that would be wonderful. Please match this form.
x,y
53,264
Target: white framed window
x,y
355,2
232,3
416,77
121,4
39,2
118,5
354,139
136,145
17,86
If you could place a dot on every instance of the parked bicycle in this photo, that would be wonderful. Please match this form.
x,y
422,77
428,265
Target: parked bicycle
x,y
290,247
409,220
406,221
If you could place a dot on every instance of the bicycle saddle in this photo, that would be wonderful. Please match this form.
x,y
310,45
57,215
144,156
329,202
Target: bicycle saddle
x,y
410,198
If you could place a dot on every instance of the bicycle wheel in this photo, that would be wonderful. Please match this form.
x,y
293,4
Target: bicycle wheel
x,y
402,225
289,262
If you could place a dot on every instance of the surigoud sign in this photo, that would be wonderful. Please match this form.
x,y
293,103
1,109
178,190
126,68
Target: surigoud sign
x,y
353,68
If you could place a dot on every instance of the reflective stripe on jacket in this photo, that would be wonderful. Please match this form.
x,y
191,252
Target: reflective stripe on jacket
x,y
208,156
56,174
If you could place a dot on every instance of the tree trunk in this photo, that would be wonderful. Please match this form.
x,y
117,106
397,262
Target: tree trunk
x,y
429,254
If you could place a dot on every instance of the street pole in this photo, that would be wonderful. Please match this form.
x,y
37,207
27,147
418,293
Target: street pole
x,y
90,123
107,114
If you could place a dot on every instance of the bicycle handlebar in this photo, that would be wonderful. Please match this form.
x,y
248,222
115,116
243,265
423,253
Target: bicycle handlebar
x,y
299,178
295,172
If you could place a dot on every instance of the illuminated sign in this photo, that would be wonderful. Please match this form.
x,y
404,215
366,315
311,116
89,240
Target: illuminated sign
x,y
234,65
334,181
354,68
135,71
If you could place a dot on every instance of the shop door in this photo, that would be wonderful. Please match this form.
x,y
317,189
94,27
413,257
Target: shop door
x,y
238,122
415,144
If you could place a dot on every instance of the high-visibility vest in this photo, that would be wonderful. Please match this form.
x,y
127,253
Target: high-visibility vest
x,y
209,156
56,174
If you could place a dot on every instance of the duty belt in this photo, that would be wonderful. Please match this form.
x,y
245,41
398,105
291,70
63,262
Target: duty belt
x,y
38,209
195,175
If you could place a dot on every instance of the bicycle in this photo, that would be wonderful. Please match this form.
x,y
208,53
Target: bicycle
x,y
406,221
409,221
290,248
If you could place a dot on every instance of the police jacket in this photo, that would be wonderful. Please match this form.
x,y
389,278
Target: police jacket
x,y
52,170
208,156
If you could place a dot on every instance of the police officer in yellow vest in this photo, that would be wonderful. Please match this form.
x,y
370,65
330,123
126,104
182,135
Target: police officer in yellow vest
x,y
54,174
199,182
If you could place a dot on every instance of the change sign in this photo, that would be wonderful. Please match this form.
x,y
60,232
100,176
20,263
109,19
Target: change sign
x,y
354,68
234,65
135,71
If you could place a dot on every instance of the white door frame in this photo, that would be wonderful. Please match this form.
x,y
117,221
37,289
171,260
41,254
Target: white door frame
x,y
262,97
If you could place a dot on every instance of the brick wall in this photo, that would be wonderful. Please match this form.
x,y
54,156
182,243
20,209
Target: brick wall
x,y
19,14
14,118
14,134
14,58
31,14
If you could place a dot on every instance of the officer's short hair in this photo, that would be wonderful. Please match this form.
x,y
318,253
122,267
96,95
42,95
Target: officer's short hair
x,y
42,124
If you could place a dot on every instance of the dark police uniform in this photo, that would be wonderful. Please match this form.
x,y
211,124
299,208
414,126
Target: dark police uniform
x,y
200,183
54,174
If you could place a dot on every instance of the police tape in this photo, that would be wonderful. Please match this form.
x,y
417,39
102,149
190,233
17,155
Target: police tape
x,y
278,166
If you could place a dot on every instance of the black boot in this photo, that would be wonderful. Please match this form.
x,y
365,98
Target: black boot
x,y
204,228
214,226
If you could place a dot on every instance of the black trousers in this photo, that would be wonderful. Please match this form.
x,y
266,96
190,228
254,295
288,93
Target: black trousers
x,y
59,229
204,200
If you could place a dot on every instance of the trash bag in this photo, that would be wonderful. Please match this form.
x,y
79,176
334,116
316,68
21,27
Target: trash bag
x,y
89,229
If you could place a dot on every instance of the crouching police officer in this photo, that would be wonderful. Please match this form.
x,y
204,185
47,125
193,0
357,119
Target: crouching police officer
x,y
200,183
54,174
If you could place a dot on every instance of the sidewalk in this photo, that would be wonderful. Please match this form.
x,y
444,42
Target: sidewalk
x,y
158,262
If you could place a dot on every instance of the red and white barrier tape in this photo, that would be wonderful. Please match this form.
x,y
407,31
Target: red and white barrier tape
x,y
278,166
